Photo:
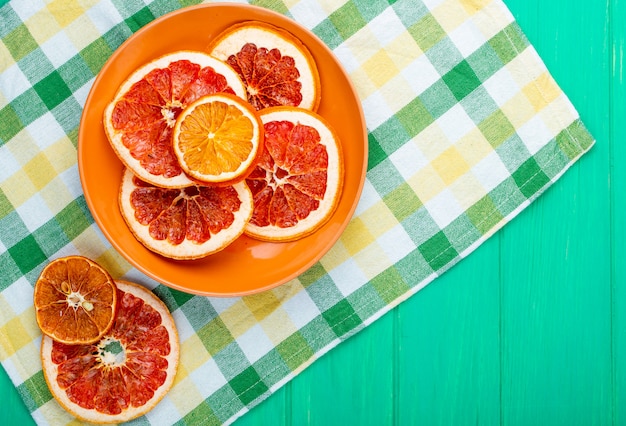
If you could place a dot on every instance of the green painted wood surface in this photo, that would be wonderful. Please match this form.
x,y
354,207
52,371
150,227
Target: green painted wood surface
x,y
531,328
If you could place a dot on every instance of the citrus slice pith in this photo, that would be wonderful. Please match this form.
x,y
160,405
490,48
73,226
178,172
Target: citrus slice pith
x,y
185,223
140,119
217,138
275,66
124,374
75,300
298,180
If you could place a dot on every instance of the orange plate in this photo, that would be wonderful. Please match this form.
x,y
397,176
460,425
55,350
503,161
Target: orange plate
x,y
247,266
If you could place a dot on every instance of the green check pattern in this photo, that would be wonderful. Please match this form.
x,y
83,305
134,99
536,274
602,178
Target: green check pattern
x,y
466,128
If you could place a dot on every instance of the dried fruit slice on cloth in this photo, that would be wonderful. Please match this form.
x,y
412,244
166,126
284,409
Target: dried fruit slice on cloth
x,y
75,300
275,66
217,138
125,373
140,119
298,180
185,223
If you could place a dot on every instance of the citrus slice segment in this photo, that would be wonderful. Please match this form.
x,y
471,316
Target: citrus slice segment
x,y
275,66
217,138
124,374
184,223
140,119
74,300
298,180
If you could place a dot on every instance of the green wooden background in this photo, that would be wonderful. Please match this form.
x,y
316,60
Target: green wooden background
x,y
531,328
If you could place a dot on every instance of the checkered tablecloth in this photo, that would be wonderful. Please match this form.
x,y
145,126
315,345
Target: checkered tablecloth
x,y
466,128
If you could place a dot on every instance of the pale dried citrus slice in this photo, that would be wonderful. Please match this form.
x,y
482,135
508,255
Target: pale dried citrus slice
x,y
74,300
275,66
184,223
125,373
217,138
298,180
140,119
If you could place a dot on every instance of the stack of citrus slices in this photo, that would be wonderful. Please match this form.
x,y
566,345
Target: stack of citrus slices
x,y
110,348
225,142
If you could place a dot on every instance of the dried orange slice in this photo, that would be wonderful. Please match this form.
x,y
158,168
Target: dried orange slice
x,y
74,300
124,374
217,138
298,180
275,66
140,119
184,223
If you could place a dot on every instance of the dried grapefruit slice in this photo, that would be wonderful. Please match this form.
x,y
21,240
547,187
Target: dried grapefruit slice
x,y
125,373
298,180
74,300
184,223
275,66
217,138
140,119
